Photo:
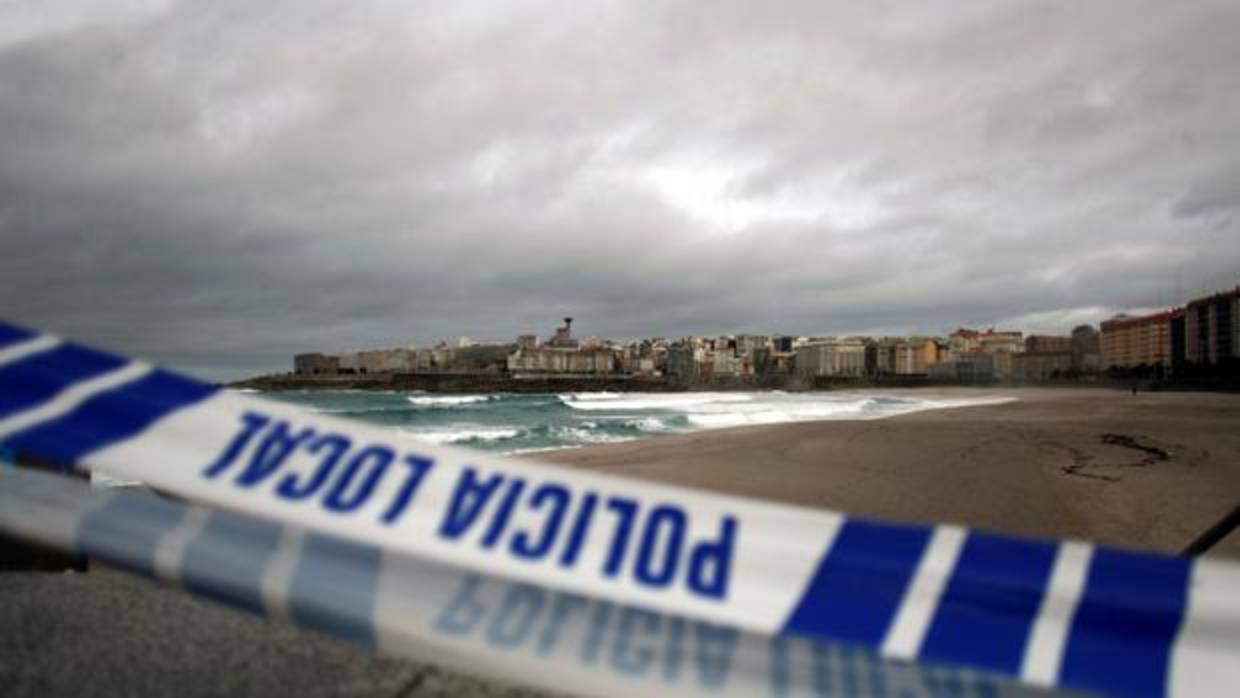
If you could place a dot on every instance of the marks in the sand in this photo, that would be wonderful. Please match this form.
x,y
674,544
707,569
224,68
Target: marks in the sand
x,y
1085,464
1080,461
1153,454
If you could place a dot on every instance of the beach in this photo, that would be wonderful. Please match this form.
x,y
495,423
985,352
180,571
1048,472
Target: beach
x,y
1147,471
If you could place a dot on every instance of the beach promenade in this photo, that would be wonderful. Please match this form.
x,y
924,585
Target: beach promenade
x,y
1147,471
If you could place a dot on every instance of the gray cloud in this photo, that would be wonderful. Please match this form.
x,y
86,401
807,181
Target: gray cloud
x,y
217,186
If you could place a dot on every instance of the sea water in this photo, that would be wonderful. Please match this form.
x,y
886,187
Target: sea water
x,y
522,423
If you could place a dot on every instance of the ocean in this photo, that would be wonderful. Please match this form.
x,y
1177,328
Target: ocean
x,y
523,423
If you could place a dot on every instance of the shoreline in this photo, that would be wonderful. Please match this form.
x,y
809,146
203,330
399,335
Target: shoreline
x,y
516,423
890,393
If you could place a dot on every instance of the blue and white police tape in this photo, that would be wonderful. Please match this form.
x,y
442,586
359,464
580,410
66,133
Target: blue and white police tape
x,y
1048,613
403,606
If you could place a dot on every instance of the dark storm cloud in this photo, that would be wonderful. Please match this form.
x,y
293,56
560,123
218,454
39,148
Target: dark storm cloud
x,y
219,185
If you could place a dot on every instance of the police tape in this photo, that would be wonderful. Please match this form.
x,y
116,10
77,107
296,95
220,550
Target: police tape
x,y
1047,613
407,607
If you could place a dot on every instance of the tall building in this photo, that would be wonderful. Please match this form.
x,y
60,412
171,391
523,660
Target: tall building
x,y
971,367
1001,344
747,344
1045,356
681,362
839,357
722,362
1040,365
1179,339
964,341
762,360
1086,352
1212,328
914,356
880,357
1127,342
997,342
1042,343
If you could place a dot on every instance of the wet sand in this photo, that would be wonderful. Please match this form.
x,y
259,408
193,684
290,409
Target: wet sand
x,y
1148,471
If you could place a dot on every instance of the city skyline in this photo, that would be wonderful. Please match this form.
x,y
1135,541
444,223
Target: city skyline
x,y
1199,340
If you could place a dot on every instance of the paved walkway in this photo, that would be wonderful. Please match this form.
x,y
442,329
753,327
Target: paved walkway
x,y
107,633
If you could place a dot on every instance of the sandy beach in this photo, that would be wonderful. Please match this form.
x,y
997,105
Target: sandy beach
x,y
1147,471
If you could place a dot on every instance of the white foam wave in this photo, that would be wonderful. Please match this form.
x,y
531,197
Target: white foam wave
x,y
968,402
590,436
651,401
816,408
719,421
590,397
650,424
466,434
356,410
448,400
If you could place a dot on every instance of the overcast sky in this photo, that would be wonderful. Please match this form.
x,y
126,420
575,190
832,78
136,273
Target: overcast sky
x,y
217,185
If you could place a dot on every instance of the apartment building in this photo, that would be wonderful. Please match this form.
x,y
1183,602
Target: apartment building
x,y
1212,328
914,356
1136,341
840,357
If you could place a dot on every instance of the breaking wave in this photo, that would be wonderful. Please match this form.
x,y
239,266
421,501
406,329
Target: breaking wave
x,y
650,401
449,400
466,435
